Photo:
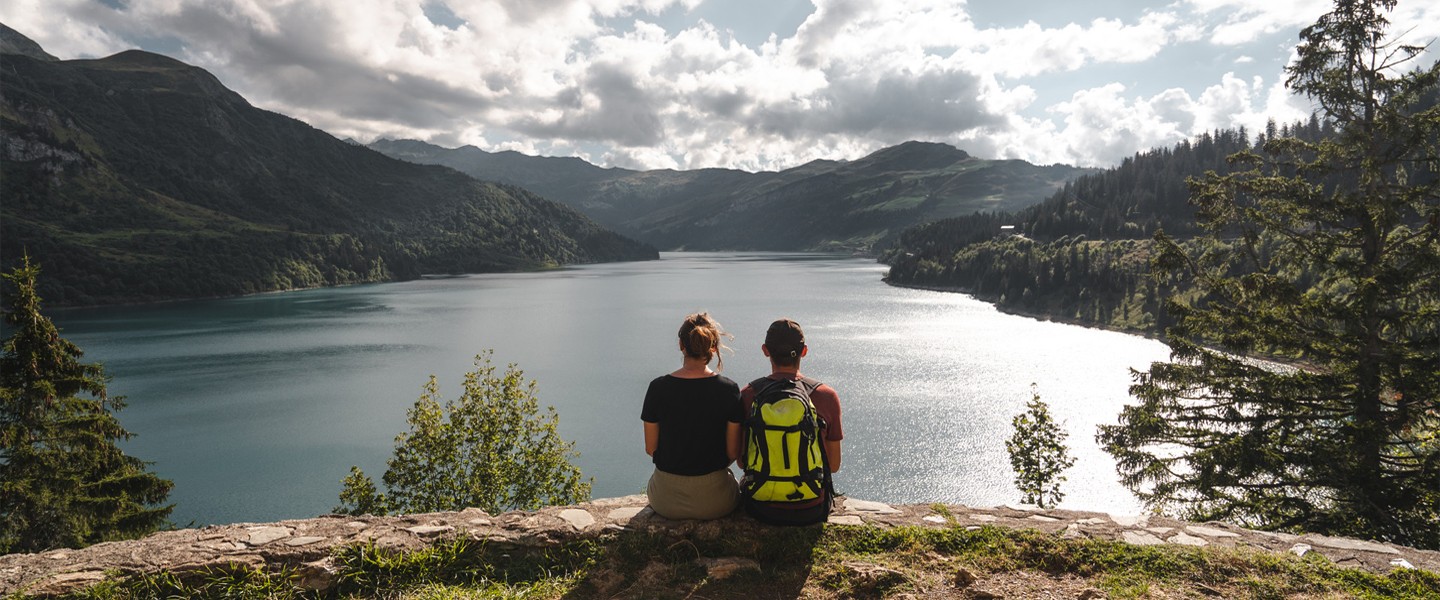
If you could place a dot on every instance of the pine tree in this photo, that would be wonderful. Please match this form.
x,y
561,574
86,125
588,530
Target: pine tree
x,y
63,480
492,448
1324,250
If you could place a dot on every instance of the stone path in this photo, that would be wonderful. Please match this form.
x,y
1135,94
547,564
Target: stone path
x,y
307,545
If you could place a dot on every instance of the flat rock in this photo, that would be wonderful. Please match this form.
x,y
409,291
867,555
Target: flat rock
x,y
429,530
1130,520
1141,538
1210,531
1043,519
73,578
624,513
854,505
1349,544
577,518
983,518
1284,537
259,536
846,520
933,519
303,540
1185,539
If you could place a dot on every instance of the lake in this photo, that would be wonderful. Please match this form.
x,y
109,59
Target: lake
x,y
257,406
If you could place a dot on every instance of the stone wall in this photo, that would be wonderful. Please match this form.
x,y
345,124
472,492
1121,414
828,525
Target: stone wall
x,y
307,545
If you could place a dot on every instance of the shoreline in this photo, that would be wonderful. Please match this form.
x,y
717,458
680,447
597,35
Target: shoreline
x,y
1036,315
422,276
1045,317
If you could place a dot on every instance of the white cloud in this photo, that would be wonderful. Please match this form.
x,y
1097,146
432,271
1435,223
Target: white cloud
x,y
598,79
1102,125
65,28
1032,50
1246,20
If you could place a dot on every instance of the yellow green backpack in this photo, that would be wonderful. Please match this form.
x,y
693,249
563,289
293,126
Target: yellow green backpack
x,y
784,444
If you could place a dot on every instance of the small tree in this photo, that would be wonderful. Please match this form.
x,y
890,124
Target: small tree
x,y
63,480
491,449
1038,454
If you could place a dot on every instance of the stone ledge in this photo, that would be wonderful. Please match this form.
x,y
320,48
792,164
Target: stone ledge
x,y
307,545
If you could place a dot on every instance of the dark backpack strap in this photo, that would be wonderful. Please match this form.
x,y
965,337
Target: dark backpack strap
x,y
829,483
810,386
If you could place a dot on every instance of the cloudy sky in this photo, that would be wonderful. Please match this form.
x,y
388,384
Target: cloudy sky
x,y
748,84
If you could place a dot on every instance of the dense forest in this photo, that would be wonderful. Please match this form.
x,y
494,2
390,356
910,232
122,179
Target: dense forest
x,y
1082,255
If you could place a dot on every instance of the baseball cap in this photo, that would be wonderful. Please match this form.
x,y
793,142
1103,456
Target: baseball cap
x,y
785,338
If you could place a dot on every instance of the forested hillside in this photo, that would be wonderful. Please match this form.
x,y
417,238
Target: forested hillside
x,y
1083,254
140,178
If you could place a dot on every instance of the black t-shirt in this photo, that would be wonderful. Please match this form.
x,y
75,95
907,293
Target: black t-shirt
x,y
692,414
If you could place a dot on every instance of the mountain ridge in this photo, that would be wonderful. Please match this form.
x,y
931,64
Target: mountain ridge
x,y
137,177
856,205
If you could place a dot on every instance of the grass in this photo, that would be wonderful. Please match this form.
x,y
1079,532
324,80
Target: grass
x,y
834,562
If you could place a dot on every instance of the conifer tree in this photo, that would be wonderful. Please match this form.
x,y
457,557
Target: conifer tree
x,y
63,480
1326,251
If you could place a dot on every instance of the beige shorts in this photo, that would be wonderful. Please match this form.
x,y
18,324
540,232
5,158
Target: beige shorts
x,y
708,496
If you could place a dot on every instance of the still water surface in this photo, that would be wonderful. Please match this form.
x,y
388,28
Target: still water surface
x,y
256,407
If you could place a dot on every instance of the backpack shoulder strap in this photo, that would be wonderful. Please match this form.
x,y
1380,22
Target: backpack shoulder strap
x,y
760,384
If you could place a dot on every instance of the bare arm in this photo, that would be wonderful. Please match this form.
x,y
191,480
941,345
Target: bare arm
x,y
652,437
733,441
832,452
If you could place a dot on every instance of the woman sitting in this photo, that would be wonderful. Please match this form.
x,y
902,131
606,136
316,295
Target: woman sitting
x,y
692,429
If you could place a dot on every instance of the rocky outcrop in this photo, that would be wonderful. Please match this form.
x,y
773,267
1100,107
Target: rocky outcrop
x,y
307,545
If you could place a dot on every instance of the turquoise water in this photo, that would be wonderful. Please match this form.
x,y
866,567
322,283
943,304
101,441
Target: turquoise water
x,y
256,407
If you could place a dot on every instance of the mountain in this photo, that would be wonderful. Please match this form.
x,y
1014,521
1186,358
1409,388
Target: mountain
x,y
14,42
859,205
137,178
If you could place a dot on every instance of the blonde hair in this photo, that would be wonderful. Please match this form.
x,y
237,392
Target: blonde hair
x,y
701,337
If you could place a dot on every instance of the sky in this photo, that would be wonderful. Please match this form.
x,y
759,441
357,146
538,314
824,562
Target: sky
x,y
759,85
